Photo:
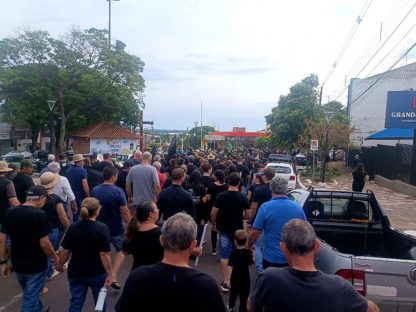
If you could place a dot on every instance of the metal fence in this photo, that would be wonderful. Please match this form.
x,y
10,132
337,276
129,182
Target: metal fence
x,y
391,162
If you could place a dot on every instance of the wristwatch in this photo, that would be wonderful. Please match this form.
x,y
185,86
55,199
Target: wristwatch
x,y
4,261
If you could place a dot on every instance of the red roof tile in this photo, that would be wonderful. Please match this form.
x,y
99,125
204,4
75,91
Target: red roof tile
x,y
105,130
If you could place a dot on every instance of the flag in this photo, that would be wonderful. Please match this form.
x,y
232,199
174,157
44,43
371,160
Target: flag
x,y
171,149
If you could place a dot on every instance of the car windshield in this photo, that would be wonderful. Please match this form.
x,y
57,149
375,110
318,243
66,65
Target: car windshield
x,y
14,158
281,169
283,158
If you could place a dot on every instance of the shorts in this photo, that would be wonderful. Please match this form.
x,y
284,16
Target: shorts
x,y
117,242
226,245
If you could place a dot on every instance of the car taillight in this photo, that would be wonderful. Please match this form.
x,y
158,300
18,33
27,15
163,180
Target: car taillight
x,y
292,178
356,278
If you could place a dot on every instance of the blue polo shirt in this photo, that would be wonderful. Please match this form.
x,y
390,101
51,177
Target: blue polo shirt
x,y
270,219
111,198
75,175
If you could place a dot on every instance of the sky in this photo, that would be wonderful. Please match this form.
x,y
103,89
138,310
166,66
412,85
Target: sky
x,y
236,57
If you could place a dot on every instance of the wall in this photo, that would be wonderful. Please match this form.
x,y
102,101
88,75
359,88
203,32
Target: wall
x,y
112,146
368,112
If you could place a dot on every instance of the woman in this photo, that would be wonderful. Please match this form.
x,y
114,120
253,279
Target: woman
x,y
90,266
55,210
142,237
198,191
213,190
359,176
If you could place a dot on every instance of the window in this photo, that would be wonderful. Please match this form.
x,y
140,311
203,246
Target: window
x,y
285,170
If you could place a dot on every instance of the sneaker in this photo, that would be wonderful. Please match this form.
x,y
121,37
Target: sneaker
x,y
214,252
224,287
229,309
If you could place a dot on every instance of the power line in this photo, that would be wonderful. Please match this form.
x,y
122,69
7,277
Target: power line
x,y
378,50
382,75
349,38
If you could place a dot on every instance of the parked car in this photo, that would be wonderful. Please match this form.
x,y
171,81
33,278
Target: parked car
x,y
359,244
284,170
282,158
16,157
301,160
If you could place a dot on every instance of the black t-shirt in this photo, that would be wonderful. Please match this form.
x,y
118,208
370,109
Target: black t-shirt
x,y
163,287
240,260
26,225
287,289
105,163
244,173
252,189
231,205
22,182
261,195
219,167
190,168
175,199
145,247
214,190
86,239
206,181
50,209
121,180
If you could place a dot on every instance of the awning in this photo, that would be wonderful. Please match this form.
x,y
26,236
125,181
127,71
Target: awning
x,y
392,134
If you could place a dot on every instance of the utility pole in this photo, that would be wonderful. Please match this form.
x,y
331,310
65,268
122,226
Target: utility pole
x,y
109,22
52,137
201,125
328,117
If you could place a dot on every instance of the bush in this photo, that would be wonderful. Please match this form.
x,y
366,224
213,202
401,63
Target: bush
x,y
331,172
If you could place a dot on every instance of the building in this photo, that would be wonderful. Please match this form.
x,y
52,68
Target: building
x,y
104,137
233,139
366,106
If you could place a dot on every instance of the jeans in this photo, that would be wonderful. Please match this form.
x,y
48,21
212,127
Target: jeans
x,y
53,237
32,285
258,252
226,245
79,287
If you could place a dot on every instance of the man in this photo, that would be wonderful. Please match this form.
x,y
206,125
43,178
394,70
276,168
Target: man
x,y
23,180
77,177
174,198
261,195
171,285
137,158
122,176
8,196
28,228
113,212
142,183
94,162
190,166
63,163
270,219
107,161
244,172
160,175
227,217
206,178
301,287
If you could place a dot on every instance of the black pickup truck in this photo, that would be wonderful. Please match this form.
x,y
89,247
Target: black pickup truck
x,y
359,244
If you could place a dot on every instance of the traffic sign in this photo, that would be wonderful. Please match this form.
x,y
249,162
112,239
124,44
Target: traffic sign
x,y
314,145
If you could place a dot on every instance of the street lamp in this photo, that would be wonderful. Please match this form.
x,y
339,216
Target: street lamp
x,y
195,133
109,21
328,117
52,137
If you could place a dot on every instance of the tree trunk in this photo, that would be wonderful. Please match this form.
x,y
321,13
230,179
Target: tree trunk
x,y
35,134
61,142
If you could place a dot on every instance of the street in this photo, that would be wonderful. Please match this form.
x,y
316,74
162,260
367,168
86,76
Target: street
x,y
58,296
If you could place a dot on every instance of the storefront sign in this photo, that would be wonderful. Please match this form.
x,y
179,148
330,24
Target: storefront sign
x,y
401,109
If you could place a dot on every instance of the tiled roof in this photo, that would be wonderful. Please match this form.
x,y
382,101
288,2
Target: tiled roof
x,y
105,130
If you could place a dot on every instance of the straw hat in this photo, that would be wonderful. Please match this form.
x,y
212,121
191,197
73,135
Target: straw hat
x,y
49,179
4,167
78,157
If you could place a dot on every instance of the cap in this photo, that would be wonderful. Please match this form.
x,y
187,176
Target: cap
x,y
36,191
27,163
49,179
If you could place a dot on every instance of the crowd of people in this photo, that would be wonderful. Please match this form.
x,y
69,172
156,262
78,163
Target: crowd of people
x,y
151,208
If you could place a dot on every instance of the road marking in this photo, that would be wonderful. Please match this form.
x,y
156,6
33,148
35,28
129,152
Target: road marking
x,y
12,301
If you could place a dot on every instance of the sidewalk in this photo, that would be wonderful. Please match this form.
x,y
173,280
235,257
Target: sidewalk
x,y
400,208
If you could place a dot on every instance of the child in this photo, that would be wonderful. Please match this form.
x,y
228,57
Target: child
x,y
238,263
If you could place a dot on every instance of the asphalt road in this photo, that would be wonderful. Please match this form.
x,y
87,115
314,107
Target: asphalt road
x,y
58,296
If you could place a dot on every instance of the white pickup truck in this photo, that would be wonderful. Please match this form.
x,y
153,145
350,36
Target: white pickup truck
x,y
359,244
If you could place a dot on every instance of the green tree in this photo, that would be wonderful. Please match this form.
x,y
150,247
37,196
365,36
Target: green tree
x,y
264,142
287,119
89,80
